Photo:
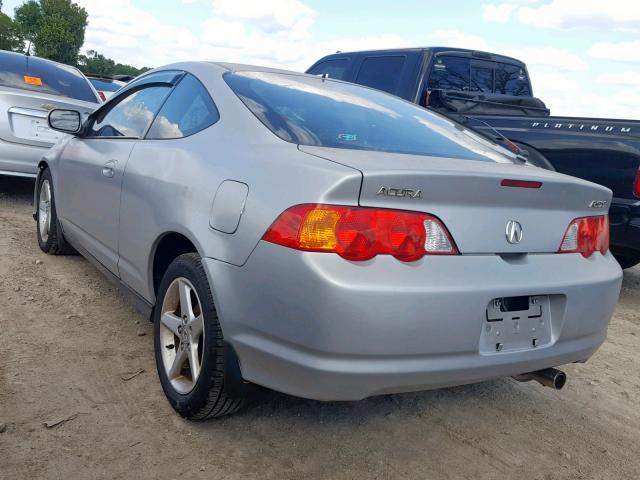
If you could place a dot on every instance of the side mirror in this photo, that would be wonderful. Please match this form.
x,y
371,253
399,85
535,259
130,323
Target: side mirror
x,y
67,121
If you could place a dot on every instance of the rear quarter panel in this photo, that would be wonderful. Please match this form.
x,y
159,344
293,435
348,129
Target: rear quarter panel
x,y
169,186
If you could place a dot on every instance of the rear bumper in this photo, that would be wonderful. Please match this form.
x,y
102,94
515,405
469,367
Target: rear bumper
x,y
19,159
317,326
624,217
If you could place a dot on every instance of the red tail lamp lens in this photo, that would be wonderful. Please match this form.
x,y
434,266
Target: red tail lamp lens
x,y
586,235
360,234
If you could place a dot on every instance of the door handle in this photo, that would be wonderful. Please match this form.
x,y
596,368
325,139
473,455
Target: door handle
x,y
109,168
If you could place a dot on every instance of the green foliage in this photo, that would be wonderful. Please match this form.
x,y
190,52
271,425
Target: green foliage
x,y
55,28
129,70
97,64
10,37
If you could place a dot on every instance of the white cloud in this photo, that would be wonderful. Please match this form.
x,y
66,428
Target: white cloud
x,y
583,13
269,16
500,13
567,14
270,33
458,39
133,35
622,51
631,79
559,58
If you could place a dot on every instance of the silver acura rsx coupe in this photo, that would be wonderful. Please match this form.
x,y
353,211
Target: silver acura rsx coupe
x,y
324,239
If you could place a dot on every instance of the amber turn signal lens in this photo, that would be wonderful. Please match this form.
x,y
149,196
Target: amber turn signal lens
x,y
36,81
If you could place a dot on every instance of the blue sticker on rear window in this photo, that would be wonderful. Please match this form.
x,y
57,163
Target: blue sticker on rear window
x,y
349,137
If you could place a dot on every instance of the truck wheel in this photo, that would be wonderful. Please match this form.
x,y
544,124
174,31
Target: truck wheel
x,y
189,347
50,238
627,262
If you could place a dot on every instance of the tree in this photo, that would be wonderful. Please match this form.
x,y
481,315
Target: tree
x,y
55,28
10,38
97,64
129,70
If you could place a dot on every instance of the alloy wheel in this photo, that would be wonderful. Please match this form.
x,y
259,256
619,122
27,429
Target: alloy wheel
x,y
182,335
44,210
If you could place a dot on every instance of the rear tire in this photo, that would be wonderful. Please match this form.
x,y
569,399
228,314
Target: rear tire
x,y
627,262
50,237
189,345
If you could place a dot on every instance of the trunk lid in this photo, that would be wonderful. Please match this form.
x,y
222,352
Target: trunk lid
x,y
468,197
23,116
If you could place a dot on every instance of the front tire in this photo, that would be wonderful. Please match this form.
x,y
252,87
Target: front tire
x,y
189,345
49,233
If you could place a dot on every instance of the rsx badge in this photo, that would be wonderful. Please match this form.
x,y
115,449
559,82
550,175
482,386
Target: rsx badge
x,y
399,192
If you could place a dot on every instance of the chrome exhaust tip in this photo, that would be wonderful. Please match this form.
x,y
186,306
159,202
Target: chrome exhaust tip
x,y
549,377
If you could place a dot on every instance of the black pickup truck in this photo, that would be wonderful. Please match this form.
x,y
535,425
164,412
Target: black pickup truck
x,y
493,94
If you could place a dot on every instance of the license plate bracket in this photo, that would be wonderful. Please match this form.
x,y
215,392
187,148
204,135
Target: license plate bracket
x,y
516,323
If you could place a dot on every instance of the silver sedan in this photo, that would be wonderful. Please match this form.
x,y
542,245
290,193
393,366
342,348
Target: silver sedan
x,y
29,88
324,239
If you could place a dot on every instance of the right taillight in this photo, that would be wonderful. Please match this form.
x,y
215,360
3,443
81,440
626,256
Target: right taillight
x,y
358,234
586,235
636,184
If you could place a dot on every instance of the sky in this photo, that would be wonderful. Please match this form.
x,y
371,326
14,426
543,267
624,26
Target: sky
x,y
583,56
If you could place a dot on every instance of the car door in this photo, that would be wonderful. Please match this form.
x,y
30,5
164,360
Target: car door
x,y
162,173
91,168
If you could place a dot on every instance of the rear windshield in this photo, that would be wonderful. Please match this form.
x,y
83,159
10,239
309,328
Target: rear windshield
x,y
328,113
455,73
105,85
37,75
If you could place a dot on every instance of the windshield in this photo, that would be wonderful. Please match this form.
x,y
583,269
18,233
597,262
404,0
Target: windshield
x,y
38,75
327,113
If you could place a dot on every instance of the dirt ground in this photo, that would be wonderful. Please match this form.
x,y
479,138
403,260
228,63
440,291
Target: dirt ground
x,y
70,343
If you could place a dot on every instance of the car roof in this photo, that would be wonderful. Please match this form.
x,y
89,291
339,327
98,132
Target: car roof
x,y
242,67
15,57
453,50
222,67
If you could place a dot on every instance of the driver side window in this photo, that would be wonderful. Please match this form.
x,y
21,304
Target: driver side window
x,y
131,116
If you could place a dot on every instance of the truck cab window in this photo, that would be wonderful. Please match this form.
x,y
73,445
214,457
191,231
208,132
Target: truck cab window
x,y
450,73
481,77
381,72
512,80
334,68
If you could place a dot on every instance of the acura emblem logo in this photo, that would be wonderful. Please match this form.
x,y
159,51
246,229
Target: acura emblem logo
x,y
513,232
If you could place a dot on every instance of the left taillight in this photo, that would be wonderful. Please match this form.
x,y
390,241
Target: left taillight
x,y
358,233
586,235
